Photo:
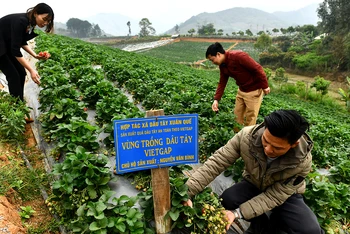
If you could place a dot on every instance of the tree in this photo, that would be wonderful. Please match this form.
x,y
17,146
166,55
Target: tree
x,y
309,28
146,28
290,29
96,31
206,29
191,31
220,32
335,17
248,32
129,25
275,30
283,30
302,41
79,28
263,43
260,33
177,29
241,33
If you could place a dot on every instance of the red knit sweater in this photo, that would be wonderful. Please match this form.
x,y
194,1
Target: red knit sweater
x,y
249,75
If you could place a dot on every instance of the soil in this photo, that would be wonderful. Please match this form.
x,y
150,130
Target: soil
x,y
10,221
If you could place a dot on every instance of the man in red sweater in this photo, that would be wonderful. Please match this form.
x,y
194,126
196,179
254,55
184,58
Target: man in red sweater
x,y
250,78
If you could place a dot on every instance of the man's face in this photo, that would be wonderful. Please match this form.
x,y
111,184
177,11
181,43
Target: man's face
x,y
275,146
217,60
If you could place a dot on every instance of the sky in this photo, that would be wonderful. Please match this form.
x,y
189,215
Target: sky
x,y
161,13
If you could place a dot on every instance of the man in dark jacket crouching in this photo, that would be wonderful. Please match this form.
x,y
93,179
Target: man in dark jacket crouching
x,y
277,158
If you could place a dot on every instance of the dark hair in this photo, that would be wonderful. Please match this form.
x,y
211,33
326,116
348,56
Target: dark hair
x,y
213,49
286,124
41,8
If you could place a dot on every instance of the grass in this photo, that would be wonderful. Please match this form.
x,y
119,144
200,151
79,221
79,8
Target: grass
x,y
21,186
16,176
311,95
183,51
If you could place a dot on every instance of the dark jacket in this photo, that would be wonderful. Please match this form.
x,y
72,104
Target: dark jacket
x,y
249,75
14,33
283,178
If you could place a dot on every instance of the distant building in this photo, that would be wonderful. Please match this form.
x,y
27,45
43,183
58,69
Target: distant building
x,y
319,37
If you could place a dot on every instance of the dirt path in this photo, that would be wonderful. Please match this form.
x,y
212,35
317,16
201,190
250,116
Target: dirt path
x,y
10,203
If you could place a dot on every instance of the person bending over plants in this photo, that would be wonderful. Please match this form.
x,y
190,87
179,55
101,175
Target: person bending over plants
x,y
15,31
250,78
277,158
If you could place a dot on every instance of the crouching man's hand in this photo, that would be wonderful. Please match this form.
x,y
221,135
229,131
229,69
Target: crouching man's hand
x,y
188,203
230,217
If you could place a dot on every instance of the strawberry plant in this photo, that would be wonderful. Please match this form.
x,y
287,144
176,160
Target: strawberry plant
x,y
62,111
77,132
89,77
27,212
12,117
59,92
328,200
82,197
116,107
205,216
93,93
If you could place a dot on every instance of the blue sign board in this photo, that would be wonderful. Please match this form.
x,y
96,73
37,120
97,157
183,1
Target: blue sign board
x,y
154,142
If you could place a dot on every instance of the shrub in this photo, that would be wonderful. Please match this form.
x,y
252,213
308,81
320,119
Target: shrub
x,y
321,85
311,62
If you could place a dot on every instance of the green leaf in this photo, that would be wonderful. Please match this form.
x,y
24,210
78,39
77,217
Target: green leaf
x,y
88,182
81,210
174,215
80,150
121,227
176,201
131,213
130,222
104,180
183,190
100,207
94,226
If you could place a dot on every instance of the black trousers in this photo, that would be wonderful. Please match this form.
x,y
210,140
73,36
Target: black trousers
x,y
293,216
15,75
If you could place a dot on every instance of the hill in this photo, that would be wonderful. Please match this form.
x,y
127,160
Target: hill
x,y
239,18
230,20
306,15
